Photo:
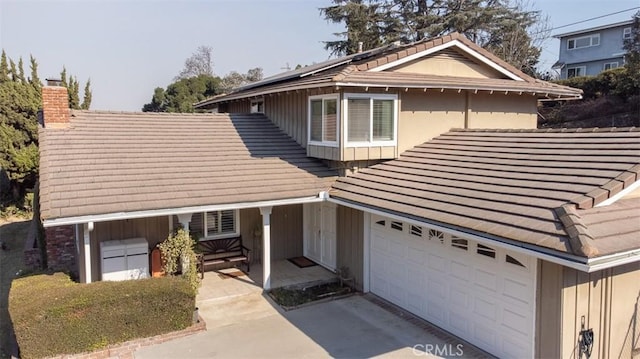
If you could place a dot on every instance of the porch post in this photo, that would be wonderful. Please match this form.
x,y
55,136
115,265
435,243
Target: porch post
x,y
185,219
266,247
86,231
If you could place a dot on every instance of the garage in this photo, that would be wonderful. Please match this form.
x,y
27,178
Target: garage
x,y
481,293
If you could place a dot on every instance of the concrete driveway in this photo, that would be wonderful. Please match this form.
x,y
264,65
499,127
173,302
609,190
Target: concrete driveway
x,y
251,326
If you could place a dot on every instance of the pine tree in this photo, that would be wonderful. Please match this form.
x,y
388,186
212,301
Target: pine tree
x,y
503,26
21,77
34,80
86,101
63,77
13,71
74,93
4,68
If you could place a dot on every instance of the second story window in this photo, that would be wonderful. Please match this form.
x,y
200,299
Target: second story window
x,y
371,119
323,119
584,41
626,33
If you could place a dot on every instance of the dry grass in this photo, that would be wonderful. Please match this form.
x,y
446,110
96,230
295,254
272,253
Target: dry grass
x,y
13,232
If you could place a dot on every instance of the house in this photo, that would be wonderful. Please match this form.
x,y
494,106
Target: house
x,y
515,239
590,51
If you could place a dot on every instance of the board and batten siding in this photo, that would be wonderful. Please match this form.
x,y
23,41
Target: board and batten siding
x,y
350,242
609,301
153,229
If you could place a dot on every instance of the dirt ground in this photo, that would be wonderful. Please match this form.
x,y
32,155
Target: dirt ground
x,y
13,233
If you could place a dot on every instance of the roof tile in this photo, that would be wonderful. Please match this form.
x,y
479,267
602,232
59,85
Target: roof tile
x,y
109,162
506,183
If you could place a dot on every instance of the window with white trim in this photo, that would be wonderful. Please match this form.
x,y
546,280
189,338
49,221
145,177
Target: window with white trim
x,y
626,33
610,65
323,119
576,71
257,106
371,119
583,41
217,224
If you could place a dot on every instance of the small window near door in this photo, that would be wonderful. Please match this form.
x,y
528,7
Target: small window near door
x,y
576,71
486,251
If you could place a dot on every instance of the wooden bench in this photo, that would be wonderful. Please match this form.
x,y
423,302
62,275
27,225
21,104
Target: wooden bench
x,y
224,250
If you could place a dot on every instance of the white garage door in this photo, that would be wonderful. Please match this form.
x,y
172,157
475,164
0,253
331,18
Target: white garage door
x,y
480,293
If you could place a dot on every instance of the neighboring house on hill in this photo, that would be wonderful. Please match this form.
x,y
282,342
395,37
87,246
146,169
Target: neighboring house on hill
x,y
590,51
509,238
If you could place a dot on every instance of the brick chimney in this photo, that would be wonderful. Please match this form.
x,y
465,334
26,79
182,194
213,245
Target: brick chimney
x,y
55,105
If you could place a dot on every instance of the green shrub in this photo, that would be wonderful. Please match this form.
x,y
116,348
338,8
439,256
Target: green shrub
x,y
53,315
178,253
618,82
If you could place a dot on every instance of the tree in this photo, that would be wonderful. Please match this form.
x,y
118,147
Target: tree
x,y
234,79
199,63
20,100
73,91
632,48
86,101
182,94
503,26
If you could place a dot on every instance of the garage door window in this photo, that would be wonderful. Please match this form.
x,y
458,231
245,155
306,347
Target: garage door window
x,y
486,251
512,260
459,243
435,235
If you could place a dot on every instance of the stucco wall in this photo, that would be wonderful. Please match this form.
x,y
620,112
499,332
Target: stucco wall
x,y
424,115
502,111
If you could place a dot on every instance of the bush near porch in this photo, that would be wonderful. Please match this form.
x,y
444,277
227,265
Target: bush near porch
x,y
52,315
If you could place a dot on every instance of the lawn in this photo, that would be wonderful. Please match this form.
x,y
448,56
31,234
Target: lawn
x,y
13,233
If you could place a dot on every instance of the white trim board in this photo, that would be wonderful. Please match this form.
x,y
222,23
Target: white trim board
x,y
447,45
634,186
580,263
171,211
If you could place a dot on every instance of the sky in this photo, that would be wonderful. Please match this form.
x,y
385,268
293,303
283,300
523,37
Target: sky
x,y
128,48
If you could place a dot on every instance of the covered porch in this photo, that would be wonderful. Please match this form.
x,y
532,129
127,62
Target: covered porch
x,y
232,282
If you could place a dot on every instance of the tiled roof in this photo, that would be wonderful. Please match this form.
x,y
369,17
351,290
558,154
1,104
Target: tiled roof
x,y
109,162
511,184
331,72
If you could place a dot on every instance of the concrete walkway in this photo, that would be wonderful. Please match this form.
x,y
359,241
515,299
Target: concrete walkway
x,y
252,326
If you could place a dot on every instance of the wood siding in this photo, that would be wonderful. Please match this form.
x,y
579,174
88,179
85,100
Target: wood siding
x,y
609,301
350,242
326,152
286,232
548,310
240,106
153,229
289,112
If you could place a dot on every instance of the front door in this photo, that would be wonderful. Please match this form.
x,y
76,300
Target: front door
x,y
320,233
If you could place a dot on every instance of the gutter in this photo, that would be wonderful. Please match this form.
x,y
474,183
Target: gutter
x,y
182,210
576,262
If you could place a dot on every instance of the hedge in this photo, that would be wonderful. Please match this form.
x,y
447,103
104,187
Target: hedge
x,y
52,315
618,82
